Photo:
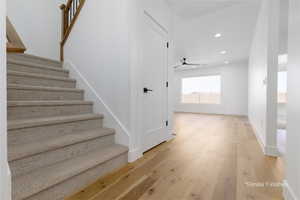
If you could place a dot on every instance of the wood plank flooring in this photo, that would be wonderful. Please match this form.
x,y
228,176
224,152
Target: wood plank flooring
x,y
213,157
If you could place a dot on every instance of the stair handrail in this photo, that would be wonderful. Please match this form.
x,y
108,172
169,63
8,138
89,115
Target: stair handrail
x,y
70,13
14,42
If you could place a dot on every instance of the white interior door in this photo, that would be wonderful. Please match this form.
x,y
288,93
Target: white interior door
x,y
155,62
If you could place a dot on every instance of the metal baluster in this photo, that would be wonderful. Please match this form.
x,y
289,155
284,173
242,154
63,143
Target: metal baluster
x,y
77,4
71,13
73,3
70,16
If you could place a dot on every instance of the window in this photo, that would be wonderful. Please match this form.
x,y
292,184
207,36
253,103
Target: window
x,y
201,90
282,87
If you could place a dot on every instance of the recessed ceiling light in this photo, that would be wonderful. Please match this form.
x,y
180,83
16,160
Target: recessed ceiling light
x,y
226,62
217,35
223,52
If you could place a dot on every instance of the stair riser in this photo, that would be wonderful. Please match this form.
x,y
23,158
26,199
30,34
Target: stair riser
x,y
33,134
28,112
29,164
36,70
38,95
35,81
34,60
72,185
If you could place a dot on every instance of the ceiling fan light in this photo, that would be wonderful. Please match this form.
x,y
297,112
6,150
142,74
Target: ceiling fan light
x,y
218,35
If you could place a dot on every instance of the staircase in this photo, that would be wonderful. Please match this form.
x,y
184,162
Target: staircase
x,y
56,144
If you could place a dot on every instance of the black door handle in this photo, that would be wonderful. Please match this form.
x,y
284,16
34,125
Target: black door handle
x,y
146,90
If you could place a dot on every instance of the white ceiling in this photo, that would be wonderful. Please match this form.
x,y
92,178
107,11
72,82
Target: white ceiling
x,y
196,8
198,21
194,35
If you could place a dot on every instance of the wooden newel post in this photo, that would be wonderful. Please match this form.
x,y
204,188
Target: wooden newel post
x,y
64,25
63,20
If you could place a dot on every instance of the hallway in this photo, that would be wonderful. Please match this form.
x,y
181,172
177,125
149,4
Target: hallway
x,y
213,157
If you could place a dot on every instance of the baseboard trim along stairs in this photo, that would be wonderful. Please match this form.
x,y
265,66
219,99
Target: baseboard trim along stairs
x,y
288,193
56,144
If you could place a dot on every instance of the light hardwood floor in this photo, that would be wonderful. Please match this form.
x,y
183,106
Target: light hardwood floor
x,y
212,158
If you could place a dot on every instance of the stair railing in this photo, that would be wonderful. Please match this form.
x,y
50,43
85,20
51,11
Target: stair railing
x,y
70,13
14,43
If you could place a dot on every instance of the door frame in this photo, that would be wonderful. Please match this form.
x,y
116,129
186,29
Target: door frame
x,y
149,20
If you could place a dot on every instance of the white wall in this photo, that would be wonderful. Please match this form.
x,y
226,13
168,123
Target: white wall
x,y
263,68
293,137
4,169
38,24
234,90
284,18
98,47
106,52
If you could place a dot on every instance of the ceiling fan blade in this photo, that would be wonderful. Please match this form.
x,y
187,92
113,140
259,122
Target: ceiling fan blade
x,y
193,64
177,66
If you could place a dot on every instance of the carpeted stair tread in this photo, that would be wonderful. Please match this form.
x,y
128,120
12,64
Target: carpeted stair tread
x,y
49,176
47,103
37,65
20,151
19,124
33,59
34,75
41,88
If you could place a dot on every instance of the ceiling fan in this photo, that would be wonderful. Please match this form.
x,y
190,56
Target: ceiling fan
x,y
186,65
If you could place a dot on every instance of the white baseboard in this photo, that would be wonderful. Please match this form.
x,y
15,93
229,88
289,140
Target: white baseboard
x,y
267,150
210,113
6,191
258,137
171,136
9,189
134,154
272,151
110,119
288,193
